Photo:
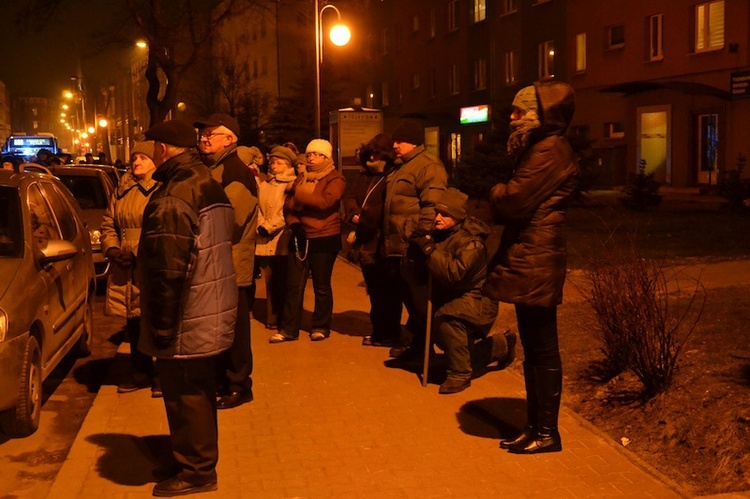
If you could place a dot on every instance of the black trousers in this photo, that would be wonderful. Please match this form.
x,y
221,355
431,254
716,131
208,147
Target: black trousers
x,y
320,265
189,387
237,362
273,269
385,288
143,365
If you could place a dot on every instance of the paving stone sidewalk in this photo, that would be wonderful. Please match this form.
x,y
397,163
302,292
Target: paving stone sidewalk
x,y
331,420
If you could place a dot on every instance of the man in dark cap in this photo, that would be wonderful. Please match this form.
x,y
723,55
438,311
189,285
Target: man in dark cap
x,y
409,212
188,300
218,148
457,258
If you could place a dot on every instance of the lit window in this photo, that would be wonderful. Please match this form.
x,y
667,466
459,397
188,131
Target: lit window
x,y
708,142
655,38
616,36
581,52
547,59
480,10
480,74
511,67
709,26
613,130
452,15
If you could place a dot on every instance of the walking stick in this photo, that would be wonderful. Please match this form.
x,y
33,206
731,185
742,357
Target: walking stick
x,y
428,330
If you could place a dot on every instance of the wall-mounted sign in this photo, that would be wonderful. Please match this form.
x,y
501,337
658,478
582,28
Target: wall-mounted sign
x,y
740,84
475,114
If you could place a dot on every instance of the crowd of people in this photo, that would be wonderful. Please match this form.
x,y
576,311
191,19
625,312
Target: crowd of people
x,y
197,219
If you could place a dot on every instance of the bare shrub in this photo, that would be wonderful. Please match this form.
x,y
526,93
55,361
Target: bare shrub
x,y
644,317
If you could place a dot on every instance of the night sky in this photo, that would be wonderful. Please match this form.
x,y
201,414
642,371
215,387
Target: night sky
x,y
39,62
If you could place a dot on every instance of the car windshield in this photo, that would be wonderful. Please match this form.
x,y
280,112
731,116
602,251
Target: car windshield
x,y
88,191
11,233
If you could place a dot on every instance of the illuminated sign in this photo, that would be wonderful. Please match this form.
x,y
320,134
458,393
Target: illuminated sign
x,y
475,114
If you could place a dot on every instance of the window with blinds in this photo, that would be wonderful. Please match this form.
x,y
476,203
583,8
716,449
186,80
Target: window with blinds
x,y
709,26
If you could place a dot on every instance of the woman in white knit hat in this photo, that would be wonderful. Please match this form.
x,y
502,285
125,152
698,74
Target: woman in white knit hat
x,y
121,230
312,213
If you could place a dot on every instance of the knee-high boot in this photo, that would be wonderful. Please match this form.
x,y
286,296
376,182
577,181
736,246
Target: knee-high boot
x,y
546,437
531,411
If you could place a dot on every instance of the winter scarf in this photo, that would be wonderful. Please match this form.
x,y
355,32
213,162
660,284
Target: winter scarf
x,y
313,173
521,134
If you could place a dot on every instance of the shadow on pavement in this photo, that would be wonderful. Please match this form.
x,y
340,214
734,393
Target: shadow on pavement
x,y
494,418
94,373
131,460
352,323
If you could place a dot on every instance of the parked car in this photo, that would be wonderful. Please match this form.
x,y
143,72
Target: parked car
x,y
92,188
113,173
46,288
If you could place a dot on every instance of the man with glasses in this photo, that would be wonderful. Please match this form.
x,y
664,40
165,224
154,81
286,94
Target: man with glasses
x,y
218,148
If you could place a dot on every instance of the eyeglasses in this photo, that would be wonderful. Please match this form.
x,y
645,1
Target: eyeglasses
x,y
209,136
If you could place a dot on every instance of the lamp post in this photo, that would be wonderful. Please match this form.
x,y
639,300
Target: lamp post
x,y
340,36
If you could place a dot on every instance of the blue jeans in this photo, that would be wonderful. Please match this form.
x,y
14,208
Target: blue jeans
x,y
320,265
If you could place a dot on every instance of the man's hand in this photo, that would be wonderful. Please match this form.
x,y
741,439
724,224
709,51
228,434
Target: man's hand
x,y
123,259
425,243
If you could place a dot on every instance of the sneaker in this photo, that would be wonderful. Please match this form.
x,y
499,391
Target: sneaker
x,y
318,336
279,338
455,384
133,385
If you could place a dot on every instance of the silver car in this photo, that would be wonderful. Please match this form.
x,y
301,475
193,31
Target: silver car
x,y
46,288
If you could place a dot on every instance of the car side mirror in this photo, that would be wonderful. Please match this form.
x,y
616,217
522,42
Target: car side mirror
x,y
57,250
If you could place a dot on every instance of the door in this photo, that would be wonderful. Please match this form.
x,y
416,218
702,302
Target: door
x,y
654,142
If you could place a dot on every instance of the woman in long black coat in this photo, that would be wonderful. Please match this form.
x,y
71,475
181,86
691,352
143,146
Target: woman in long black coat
x,y
528,269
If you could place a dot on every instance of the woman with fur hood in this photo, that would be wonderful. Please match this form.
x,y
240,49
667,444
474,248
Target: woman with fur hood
x,y
528,269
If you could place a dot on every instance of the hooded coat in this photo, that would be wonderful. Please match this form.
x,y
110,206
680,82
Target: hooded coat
x,y
529,265
459,267
121,228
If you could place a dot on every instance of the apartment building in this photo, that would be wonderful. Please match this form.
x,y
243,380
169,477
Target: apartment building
x,y
662,83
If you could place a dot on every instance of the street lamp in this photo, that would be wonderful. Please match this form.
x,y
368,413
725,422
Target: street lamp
x,y
340,35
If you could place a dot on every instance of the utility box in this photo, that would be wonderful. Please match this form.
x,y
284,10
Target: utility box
x,y
351,129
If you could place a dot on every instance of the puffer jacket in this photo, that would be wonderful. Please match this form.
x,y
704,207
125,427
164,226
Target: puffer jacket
x,y
241,188
411,194
459,268
271,216
121,228
189,293
529,266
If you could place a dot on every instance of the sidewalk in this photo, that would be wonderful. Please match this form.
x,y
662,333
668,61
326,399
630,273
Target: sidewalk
x,y
330,420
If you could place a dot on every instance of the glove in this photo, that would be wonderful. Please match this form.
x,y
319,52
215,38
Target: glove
x,y
262,231
126,259
113,254
299,234
426,244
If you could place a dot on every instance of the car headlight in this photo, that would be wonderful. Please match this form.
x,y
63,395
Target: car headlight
x,y
3,325
95,236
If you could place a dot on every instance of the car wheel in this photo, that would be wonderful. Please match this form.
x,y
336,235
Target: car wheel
x,y
23,419
83,347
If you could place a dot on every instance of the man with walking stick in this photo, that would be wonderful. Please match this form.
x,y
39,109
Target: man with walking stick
x,y
457,264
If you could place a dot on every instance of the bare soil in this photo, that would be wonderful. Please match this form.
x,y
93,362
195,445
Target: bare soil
x,y
697,432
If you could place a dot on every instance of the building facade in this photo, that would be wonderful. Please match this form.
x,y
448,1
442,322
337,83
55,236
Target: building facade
x,y
654,83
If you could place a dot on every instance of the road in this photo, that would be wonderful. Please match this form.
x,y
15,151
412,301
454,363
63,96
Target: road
x,y
29,465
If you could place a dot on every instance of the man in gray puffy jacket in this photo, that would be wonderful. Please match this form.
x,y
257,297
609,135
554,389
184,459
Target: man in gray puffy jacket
x,y
188,300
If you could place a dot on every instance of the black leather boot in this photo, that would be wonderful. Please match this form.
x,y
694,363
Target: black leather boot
x,y
531,412
546,438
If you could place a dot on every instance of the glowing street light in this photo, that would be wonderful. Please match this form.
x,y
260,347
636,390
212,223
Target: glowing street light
x,y
103,123
141,44
340,35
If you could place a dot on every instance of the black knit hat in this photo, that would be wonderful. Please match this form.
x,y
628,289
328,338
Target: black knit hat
x,y
453,203
173,132
410,131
